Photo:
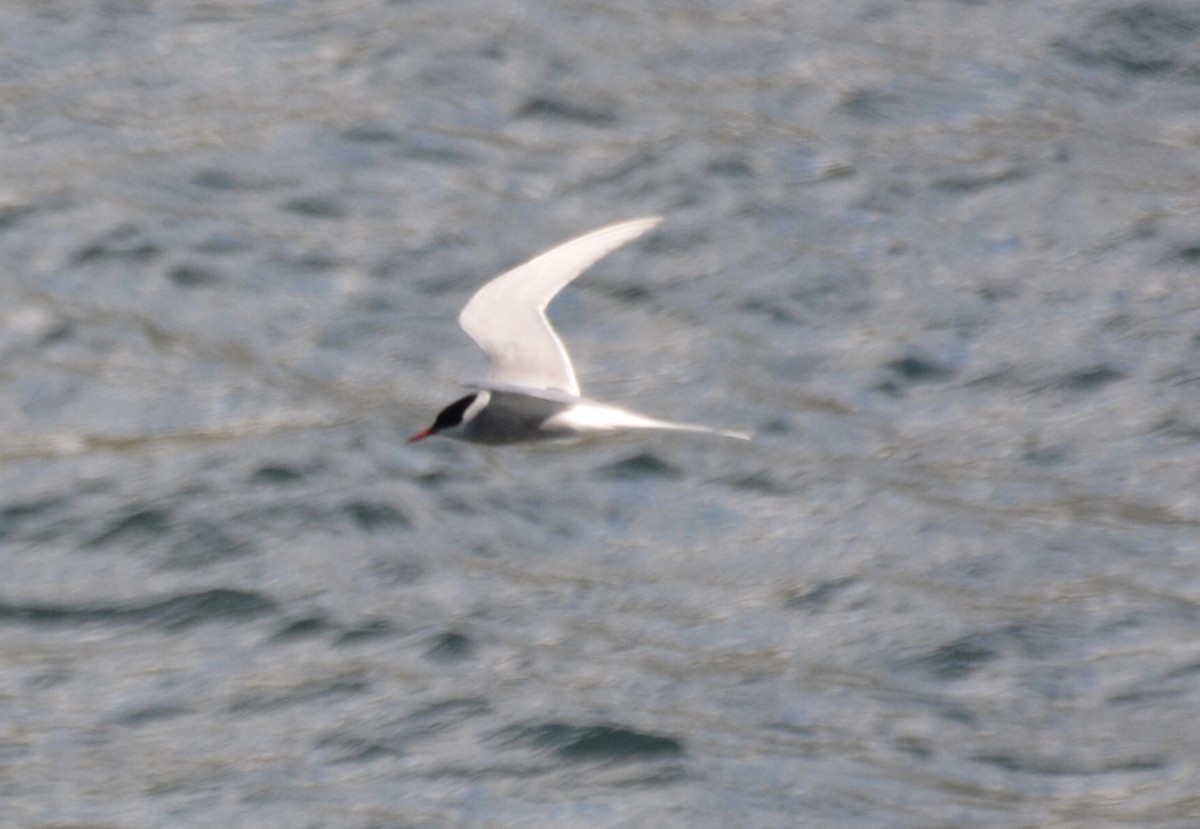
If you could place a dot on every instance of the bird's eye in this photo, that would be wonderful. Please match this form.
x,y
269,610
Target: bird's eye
x,y
452,415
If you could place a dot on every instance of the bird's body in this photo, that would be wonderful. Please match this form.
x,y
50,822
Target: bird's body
x,y
531,393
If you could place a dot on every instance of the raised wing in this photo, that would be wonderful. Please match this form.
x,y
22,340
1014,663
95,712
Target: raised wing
x,y
507,316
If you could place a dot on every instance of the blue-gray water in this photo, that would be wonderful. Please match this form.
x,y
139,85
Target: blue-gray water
x,y
942,257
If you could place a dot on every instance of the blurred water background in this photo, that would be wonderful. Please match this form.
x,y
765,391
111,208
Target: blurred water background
x,y
942,257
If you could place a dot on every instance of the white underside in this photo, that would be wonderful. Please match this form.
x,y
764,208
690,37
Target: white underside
x,y
597,417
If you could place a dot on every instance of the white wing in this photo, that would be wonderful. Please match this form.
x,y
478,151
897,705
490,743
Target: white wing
x,y
507,316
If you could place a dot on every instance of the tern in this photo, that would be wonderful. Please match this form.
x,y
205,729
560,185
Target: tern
x,y
531,393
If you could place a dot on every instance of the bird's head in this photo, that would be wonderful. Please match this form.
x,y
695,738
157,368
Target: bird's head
x,y
452,417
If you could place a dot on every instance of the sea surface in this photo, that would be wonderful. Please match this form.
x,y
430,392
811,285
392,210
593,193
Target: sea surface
x,y
942,258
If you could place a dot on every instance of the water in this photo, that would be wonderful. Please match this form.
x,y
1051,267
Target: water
x,y
940,257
